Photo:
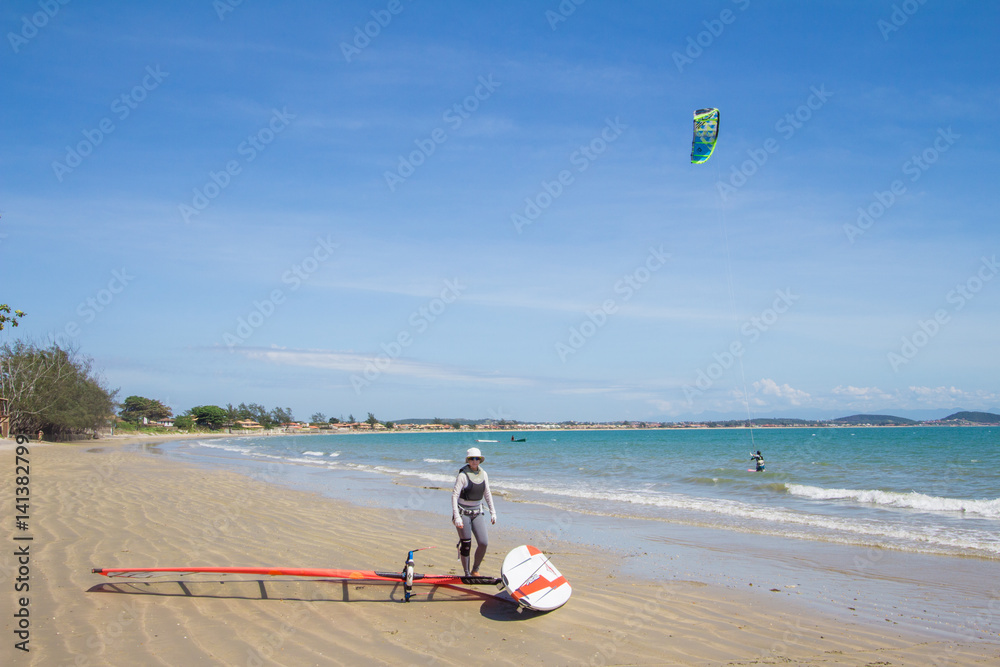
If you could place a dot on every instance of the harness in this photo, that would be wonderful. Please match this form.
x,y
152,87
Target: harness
x,y
476,487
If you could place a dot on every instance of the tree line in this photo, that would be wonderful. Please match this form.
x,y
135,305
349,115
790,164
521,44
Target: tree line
x,y
140,410
58,392
53,390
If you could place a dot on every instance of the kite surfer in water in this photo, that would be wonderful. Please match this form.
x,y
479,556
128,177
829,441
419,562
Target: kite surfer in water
x,y
759,459
472,486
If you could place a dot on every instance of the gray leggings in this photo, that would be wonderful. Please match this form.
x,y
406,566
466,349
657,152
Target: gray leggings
x,y
474,525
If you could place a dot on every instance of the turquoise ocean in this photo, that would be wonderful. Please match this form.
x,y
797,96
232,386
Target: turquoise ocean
x,y
926,490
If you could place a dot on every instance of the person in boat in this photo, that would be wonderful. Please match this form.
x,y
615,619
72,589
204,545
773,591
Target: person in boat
x,y
758,458
472,486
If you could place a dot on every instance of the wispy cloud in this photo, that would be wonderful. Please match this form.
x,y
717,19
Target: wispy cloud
x,y
350,362
946,396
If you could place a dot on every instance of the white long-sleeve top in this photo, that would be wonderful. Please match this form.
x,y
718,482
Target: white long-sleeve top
x,y
464,479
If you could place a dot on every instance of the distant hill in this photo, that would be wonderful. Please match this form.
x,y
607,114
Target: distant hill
x,y
875,420
974,417
763,421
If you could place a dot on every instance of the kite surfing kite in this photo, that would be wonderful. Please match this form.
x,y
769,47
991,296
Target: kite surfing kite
x,y
706,131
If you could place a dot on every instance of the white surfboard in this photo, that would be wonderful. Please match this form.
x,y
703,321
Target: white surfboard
x,y
531,578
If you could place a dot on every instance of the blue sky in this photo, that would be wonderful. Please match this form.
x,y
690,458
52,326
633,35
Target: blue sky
x,y
488,210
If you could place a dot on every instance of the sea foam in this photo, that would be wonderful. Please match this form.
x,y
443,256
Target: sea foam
x,y
911,500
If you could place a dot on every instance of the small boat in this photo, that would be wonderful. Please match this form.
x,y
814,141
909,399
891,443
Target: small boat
x,y
519,440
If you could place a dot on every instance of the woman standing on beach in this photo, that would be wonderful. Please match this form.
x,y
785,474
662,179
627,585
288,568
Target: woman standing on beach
x,y
472,486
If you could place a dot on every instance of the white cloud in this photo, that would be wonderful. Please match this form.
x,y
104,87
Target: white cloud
x,y
374,366
852,394
785,392
948,396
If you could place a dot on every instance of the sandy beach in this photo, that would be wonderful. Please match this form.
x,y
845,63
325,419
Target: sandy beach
x,y
118,504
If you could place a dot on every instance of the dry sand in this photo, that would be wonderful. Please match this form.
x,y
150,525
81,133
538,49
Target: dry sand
x,y
101,505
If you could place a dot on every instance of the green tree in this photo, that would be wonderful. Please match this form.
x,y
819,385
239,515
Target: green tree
x,y
134,408
282,416
256,412
184,422
211,416
6,317
53,390
371,420
317,418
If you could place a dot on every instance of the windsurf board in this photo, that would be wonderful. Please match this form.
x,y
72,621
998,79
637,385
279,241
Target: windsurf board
x,y
533,581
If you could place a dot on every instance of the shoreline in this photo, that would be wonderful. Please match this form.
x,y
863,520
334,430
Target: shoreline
x,y
532,428
843,579
107,505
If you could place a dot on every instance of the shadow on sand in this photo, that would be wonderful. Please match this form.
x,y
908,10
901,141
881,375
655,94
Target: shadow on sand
x,y
497,607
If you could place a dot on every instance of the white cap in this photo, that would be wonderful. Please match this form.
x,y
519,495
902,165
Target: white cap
x,y
474,451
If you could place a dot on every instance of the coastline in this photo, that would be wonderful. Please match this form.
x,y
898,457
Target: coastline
x,y
535,428
119,504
